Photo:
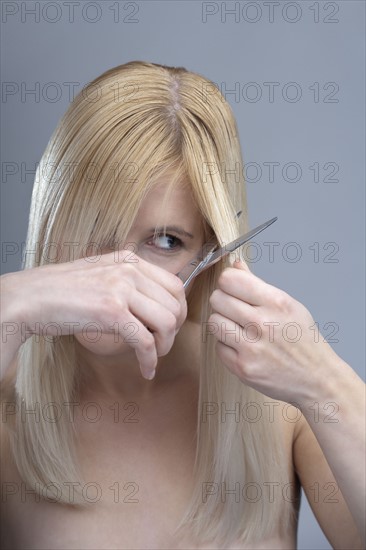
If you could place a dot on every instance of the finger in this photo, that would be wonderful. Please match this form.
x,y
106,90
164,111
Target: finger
x,y
156,317
225,331
143,342
232,308
168,280
153,280
154,291
162,276
244,285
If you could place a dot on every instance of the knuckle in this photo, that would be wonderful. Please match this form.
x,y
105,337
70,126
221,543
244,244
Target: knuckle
x,y
175,286
249,372
247,366
147,343
169,323
124,289
282,301
178,285
114,301
129,270
176,307
256,350
106,309
111,312
256,320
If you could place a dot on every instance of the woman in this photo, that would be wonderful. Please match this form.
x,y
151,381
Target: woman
x,y
210,452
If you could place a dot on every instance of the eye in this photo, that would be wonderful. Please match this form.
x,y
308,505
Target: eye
x,y
169,241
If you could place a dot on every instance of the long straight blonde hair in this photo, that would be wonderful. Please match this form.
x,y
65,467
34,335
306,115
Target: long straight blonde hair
x,y
126,128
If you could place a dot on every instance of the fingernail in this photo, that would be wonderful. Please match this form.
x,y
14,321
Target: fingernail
x,y
151,375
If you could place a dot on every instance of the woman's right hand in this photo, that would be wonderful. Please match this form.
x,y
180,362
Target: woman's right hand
x,y
113,294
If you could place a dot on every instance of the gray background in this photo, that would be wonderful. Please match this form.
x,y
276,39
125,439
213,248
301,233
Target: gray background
x,y
313,45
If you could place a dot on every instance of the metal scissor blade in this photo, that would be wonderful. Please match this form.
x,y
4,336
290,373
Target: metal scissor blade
x,y
197,265
226,249
187,273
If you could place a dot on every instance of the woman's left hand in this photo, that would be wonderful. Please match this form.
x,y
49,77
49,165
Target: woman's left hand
x,y
270,340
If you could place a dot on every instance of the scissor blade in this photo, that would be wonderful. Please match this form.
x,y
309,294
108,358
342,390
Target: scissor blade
x,y
208,247
197,265
226,249
187,273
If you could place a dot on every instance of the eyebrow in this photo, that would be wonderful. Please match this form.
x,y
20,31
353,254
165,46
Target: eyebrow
x,y
174,228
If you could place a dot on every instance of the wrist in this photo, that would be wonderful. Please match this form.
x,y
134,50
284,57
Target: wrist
x,y
338,390
15,301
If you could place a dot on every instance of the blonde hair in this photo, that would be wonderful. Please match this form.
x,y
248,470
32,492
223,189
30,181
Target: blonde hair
x,y
129,126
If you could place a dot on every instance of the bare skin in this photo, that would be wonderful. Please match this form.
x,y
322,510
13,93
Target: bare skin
x,y
149,461
143,474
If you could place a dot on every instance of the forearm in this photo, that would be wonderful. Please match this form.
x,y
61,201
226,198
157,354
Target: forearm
x,y
342,435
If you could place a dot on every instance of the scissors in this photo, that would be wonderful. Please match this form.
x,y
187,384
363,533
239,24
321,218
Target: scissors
x,y
205,259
